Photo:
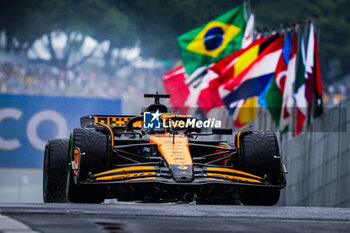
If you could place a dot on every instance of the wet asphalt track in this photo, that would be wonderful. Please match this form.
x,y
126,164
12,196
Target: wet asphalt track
x,y
169,218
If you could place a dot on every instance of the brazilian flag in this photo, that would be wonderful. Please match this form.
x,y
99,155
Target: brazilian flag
x,y
212,41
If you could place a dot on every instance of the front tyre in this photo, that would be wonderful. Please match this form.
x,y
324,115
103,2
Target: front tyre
x,y
93,146
261,156
55,171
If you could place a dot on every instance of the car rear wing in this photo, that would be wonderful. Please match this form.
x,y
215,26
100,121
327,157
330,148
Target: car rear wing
x,y
117,122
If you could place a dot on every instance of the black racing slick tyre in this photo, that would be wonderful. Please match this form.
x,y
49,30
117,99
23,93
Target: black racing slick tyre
x,y
93,146
55,171
261,156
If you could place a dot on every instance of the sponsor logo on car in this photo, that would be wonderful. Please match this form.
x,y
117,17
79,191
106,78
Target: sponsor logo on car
x,y
182,167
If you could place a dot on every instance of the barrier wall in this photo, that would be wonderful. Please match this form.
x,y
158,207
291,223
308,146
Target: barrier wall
x,y
27,122
318,162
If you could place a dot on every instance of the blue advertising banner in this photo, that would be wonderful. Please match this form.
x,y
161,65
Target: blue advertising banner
x,y
27,122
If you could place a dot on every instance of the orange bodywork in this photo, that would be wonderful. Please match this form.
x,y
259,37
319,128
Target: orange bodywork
x,y
132,175
225,176
76,160
135,173
175,151
216,171
118,121
126,169
229,170
220,156
174,148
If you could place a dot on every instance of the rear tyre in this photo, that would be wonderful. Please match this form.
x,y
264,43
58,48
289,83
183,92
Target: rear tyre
x,y
55,171
93,146
261,156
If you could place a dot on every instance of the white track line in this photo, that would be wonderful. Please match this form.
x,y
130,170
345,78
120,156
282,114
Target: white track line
x,y
10,225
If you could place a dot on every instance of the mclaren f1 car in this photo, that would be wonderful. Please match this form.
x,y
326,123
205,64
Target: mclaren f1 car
x,y
120,157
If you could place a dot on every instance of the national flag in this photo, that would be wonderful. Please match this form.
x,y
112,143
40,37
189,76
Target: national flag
x,y
299,88
201,87
254,79
248,36
245,112
174,83
272,96
318,105
229,68
288,101
213,41
310,58
198,81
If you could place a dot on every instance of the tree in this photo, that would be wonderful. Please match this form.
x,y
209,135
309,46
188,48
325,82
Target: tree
x,y
333,27
14,18
155,25
26,21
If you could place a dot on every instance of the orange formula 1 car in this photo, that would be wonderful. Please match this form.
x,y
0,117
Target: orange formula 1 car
x,y
157,157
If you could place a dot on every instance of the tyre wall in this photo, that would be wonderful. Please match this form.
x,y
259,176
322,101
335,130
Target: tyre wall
x,y
318,162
